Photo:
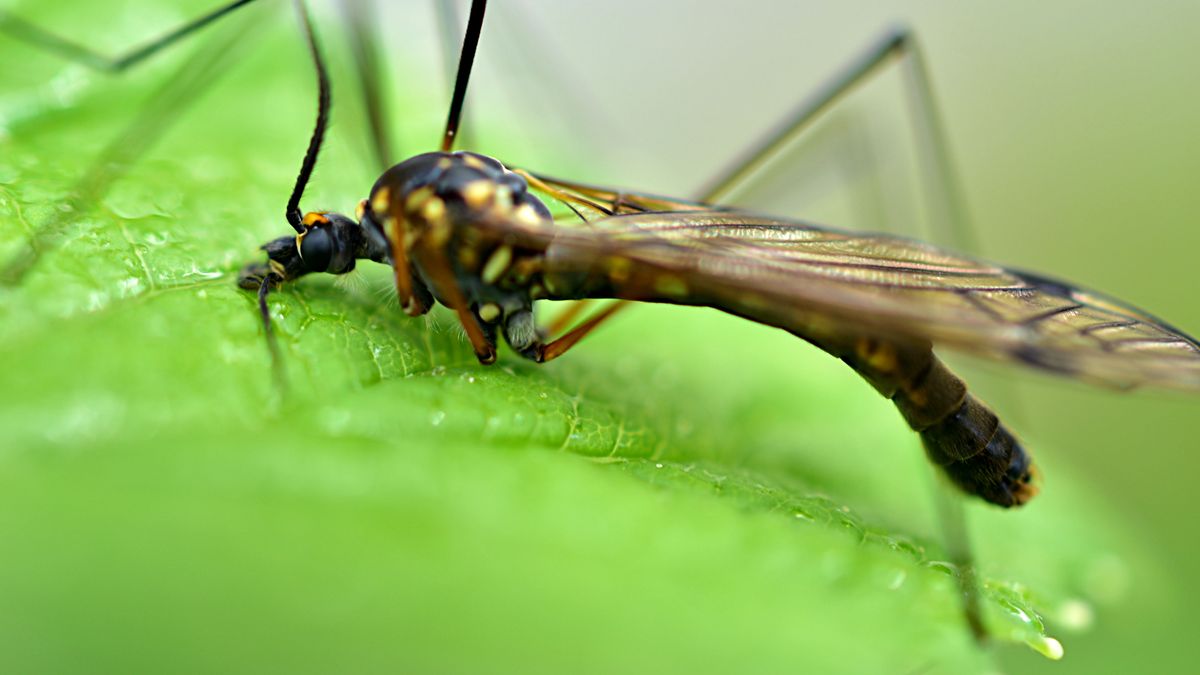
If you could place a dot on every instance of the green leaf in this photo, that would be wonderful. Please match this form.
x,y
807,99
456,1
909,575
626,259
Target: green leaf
x,y
684,493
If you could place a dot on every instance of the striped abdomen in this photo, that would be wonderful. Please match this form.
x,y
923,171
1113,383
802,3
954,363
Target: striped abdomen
x,y
960,434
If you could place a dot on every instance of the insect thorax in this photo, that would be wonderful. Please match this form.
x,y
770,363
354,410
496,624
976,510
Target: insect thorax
x,y
471,213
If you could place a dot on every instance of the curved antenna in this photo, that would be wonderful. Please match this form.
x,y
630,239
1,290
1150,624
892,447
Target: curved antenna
x,y
318,135
470,43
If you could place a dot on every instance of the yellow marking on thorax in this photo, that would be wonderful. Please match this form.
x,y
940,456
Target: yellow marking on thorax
x,y
503,201
489,312
416,199
433,210
525,214
381,201
497,264
478,194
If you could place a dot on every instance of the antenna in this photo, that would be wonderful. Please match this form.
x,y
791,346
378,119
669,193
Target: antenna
x,y
318,135
465,61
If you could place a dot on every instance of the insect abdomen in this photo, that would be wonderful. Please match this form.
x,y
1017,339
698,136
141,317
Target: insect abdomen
x,y
960,434
979,454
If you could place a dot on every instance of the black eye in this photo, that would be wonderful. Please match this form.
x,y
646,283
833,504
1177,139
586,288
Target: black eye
x,y
316,249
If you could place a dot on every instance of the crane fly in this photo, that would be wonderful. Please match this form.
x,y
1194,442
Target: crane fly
x,y
464,230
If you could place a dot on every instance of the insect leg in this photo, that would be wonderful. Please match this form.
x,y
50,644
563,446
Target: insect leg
x,y
952,518
31,34
566,317
449,28
556,348
961,435
272,344
465,61
165,106
946,204
442,276
364,45
945,198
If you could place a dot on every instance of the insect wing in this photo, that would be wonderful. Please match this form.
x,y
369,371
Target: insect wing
x,y
616,202
814,281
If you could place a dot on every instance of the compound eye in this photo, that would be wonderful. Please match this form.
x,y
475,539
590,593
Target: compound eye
x,y
316,248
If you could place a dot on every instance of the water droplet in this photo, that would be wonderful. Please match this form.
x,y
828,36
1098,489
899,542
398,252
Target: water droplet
x,y
658,466
942,566
1047,646
897,580
437,418
470,379
197,272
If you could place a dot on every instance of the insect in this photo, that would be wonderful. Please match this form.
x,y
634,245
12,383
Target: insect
x,y
463,230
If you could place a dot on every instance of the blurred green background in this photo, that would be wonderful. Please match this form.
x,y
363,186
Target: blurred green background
x,y
685,492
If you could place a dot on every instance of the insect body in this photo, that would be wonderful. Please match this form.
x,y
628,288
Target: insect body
x,y
464,230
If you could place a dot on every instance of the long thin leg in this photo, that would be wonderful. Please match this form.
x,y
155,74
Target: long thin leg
x,y
945,200
164,107
364,45
465,61
443,280
272,343
23,30
952,518
567,316
449,29
557,348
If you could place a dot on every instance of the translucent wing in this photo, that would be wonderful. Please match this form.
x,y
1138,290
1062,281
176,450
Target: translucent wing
x,y
608,201
818,282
